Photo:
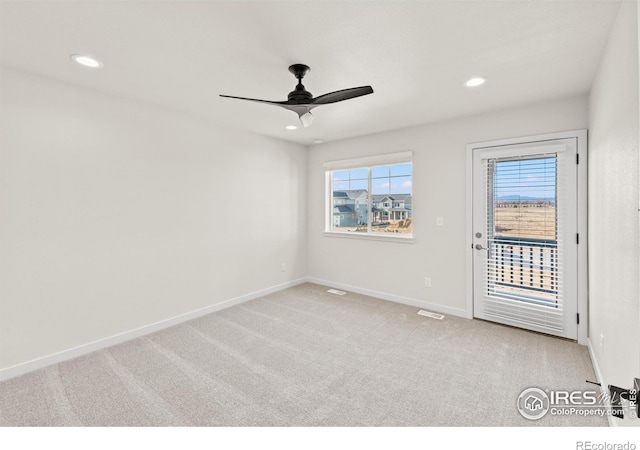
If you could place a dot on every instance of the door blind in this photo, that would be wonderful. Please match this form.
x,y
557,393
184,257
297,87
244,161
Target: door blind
x,y
523,277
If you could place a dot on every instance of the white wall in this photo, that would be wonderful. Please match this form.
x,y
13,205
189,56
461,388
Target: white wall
x,y
439,184
614,233
116,214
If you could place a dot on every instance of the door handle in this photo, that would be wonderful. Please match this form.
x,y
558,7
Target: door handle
x,y
480,247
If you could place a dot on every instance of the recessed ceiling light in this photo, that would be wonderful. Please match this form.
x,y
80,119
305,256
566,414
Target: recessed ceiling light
x,y
87,61
291,127
318,141
475,81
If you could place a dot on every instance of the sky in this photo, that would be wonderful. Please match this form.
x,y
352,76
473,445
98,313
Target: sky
x,y
394,179
534,178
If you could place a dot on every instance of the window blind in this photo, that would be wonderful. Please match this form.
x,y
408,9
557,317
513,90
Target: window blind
x,y
524,258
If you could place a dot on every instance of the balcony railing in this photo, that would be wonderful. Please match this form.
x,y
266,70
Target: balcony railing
x,y
523,269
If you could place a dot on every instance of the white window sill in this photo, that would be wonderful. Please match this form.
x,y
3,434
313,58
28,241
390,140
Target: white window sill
x,y
371,237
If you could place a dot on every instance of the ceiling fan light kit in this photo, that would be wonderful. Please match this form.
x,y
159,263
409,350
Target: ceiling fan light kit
x,y
302,102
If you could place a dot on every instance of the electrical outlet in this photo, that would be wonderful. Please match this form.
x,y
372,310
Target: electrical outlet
x,y
439,221
283,267
427,282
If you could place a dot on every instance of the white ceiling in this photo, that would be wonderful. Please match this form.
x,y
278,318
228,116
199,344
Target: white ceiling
x,y
415,54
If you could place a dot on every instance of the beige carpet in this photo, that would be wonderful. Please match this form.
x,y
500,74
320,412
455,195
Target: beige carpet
x,y
303,357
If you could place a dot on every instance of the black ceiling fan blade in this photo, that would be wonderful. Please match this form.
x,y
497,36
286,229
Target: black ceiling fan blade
x,y
301,109
296,106
344,94
255,100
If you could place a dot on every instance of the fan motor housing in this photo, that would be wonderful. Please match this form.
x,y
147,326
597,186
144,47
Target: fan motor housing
x,y
300,94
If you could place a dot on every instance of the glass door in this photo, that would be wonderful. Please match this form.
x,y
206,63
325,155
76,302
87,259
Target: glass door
x,y
525,225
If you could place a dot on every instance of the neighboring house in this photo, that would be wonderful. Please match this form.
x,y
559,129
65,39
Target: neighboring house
x,y
391,208
344,216
350,207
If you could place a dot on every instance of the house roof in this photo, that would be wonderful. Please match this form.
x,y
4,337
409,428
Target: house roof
x,y
351,194
402,197
342,209
392,197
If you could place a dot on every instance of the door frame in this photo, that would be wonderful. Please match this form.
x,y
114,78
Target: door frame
x,y
583,282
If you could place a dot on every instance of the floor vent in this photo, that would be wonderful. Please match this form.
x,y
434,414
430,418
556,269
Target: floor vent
x,y
431,314
336,292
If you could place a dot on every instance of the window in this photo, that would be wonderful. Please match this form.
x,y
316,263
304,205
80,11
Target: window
x,y
370,196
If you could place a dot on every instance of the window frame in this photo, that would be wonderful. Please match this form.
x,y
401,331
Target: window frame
x,y
367,163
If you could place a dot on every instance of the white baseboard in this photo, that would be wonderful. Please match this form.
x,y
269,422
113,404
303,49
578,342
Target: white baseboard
x,y
600,379
100,344
435,307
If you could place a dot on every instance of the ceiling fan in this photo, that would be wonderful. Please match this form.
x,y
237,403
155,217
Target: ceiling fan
x,y
302,102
